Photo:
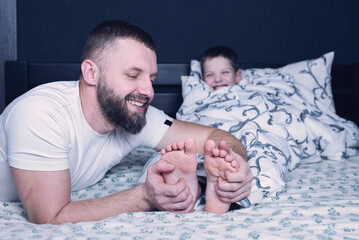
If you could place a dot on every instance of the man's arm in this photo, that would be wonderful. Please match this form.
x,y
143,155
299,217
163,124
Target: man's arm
x,y
180,131
46,197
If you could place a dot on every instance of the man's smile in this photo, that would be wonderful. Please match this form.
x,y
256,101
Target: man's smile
x,y
138,104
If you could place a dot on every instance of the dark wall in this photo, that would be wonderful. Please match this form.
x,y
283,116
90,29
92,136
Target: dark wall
x,y
267,31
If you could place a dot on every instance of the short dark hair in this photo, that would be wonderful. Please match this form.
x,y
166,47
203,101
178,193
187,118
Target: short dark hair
x,y
104,34
220,51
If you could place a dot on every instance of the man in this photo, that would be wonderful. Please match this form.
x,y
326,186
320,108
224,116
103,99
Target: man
x,y
64,136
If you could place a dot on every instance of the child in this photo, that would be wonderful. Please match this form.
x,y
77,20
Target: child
x,y
219,67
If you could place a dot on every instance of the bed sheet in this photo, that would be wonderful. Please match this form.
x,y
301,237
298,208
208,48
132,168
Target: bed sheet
x,y
319,201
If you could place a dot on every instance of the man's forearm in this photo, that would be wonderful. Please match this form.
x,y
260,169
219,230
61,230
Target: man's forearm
x,y
218,135
130,200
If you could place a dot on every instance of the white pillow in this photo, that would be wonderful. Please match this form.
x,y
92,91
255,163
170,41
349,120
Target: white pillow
x,y
313,74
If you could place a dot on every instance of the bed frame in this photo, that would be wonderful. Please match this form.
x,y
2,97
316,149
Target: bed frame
x,y
21,76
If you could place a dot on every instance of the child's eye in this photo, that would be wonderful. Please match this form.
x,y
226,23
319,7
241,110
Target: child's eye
x,y
209,75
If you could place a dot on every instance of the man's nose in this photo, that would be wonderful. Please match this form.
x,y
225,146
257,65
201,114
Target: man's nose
x,y
145,88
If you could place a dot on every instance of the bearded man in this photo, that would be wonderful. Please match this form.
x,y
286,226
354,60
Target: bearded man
x,y
64,136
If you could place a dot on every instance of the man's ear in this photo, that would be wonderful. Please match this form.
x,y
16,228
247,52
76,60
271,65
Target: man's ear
x,y
238,75
90,72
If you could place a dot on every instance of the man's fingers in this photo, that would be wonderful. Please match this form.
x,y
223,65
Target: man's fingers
x,y
174,197
236,176
161,166
225,186
232,192
177,190
235,199
177,206
230,197
183,208
243,175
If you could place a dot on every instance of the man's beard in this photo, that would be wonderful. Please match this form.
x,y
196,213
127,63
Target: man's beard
x,y
115,109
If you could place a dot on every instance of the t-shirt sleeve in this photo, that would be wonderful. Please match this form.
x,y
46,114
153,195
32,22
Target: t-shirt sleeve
x,y
36,136
157,123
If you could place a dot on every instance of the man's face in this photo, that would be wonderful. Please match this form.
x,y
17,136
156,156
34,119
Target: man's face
x,y
218,72
116,111
125,84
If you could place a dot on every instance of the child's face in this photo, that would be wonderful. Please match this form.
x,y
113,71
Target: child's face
x,y
218,72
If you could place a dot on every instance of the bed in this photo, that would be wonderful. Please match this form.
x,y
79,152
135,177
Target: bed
x,y
319,199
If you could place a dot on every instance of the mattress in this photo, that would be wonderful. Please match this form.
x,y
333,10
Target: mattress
x,y
320,201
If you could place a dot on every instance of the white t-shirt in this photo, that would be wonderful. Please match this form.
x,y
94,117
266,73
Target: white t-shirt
x,y
44,130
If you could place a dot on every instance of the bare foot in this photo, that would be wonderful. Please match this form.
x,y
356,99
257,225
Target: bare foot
x,y
216,162
184,156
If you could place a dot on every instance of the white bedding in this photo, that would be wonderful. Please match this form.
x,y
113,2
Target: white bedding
x,y
283,117
311,184
319,201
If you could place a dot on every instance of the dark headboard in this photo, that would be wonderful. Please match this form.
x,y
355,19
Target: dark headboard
x,y
21,76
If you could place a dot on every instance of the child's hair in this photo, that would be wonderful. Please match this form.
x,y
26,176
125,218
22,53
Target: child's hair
x,y
220,51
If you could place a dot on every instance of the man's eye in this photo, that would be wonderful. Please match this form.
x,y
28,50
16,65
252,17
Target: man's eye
x,y
132,75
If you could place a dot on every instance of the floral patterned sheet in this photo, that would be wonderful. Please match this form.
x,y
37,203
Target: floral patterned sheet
x,y
319,201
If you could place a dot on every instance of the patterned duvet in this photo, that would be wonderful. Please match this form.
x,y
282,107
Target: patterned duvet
x,y
283,117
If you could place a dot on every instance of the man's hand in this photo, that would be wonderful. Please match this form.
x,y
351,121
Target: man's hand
x,y
46,197
175,198
238,183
